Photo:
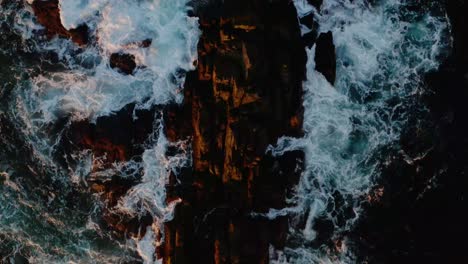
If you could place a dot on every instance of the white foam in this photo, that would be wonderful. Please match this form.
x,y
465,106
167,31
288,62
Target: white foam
x,y
146,246
87,88
149,196
85,92
303,8
380,59
74,13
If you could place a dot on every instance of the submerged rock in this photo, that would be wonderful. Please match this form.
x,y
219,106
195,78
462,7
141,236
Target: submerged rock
x,y
125,63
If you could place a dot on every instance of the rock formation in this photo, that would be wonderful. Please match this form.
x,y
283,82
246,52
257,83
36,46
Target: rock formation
x,y
325,57
48,14
244,95
125,63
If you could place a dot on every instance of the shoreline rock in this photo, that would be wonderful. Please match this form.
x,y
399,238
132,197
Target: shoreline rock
x,y
325,57
244,95
48,14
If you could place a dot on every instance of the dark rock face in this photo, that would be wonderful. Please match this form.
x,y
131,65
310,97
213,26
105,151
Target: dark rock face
x,y
309,38
315,3
48,14
80,35
244,95
124,63
421,216
119,136
325,57
146,43
457,11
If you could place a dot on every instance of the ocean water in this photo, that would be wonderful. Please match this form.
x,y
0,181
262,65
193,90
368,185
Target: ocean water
x,y
47,214
383,50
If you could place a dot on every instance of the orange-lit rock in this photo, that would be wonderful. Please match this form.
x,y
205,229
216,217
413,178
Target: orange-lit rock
x,y
111,139
375,195
48,14
125,63
244,95
104,147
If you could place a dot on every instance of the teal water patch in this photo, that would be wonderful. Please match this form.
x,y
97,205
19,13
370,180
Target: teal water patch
x,y
42,226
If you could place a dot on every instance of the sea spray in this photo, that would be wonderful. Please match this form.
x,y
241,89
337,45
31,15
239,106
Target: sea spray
x,y
383,51
78,84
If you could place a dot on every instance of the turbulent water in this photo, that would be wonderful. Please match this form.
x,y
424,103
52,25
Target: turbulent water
x,y
47,214
383,50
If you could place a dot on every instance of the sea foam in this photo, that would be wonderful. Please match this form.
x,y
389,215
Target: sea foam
x,y
88,88
382,52
83,86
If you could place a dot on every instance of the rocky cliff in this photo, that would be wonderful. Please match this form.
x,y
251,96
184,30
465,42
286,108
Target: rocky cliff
x,y
244,95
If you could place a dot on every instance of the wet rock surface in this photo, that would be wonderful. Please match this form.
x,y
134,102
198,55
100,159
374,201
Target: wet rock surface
x,y
244,95
315,3
48,14
124,63
325,57
111,139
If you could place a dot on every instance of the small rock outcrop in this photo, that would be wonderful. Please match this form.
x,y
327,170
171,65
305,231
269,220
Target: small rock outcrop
x,y
315,3
124,63
48,15
111,139
325,57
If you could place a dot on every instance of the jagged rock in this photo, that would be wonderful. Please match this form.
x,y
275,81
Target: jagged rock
x,y
308,20
316,3
80,35
48,15
118,136
125,63
325,57
309,38
244,95
115,138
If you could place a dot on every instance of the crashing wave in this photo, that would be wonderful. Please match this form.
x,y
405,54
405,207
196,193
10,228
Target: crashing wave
x,y
383,51
83,87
